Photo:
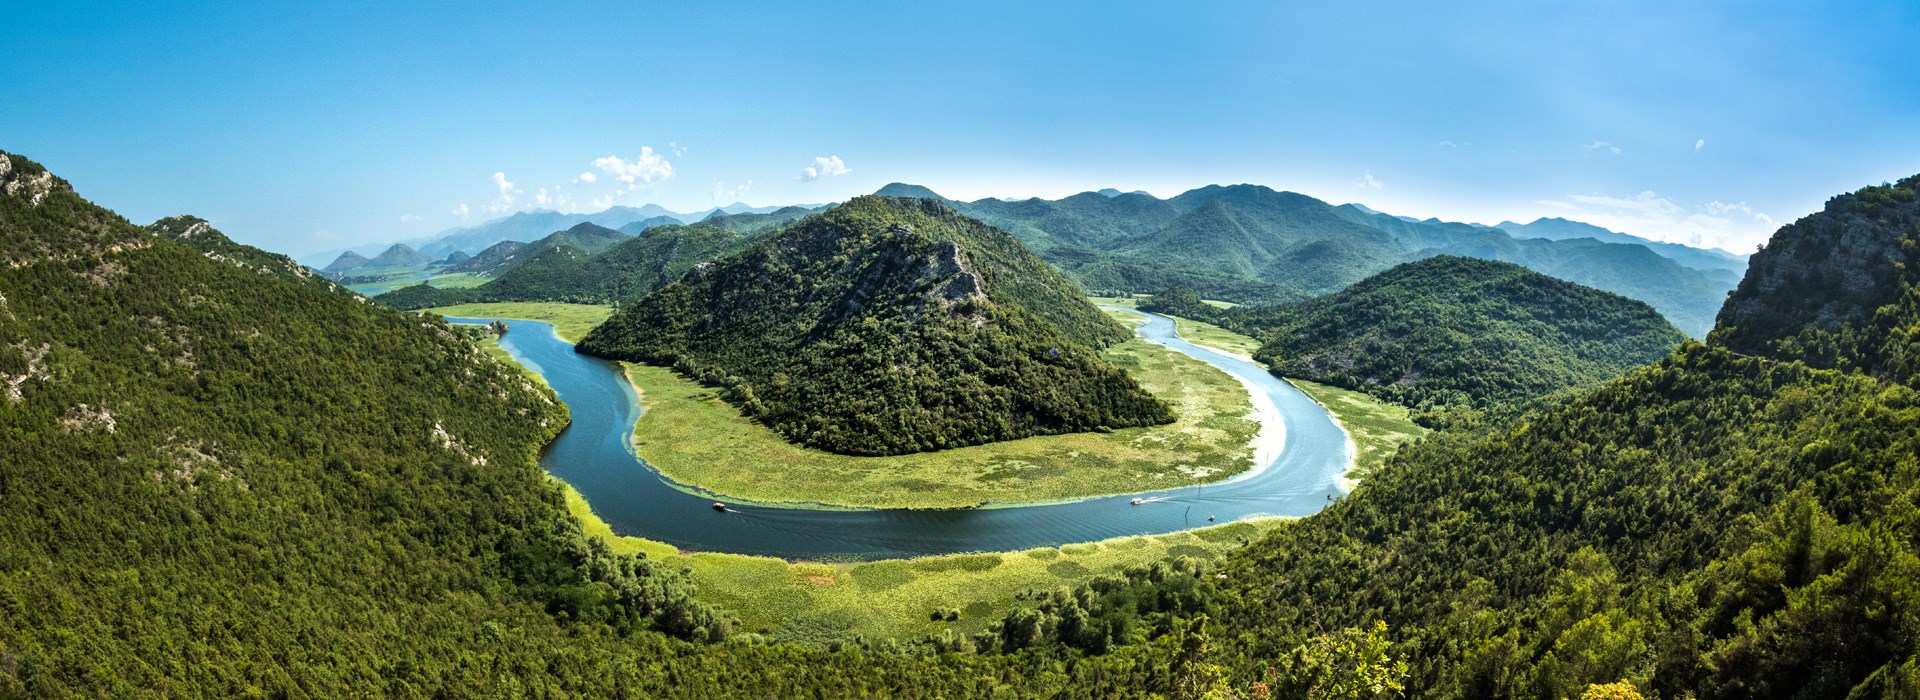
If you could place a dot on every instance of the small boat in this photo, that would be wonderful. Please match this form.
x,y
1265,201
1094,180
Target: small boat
x,y
1139,501
719,506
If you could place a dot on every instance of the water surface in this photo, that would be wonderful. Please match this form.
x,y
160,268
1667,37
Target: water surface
x,y
1301,451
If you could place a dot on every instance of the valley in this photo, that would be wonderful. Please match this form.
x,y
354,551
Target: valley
x,y
820,602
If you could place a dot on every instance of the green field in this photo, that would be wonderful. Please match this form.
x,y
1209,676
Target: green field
x,y
571,321
695,438
1203,333
817,603
458,280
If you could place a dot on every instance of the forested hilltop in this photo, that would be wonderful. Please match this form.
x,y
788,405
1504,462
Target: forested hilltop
x,y
888,326
1449,332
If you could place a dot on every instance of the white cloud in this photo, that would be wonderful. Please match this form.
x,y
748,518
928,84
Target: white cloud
x,y
1454,144
461,211
678,150
556,199
1699,144
1736,227
586,178
409,218
1603,146
824,166
1368,181
650,167
509,194
720,191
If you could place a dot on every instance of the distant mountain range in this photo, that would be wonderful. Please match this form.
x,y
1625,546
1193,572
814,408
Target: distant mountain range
x,y
532,225
1252,244
567,271
1241,243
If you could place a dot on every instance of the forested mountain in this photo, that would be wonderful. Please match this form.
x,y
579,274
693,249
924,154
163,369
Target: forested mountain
x,y
636,228
497,260
399,255
219,482
347,262
194,232
1251,244
493,256
1717,525
887,326
533,225
1459,331
628,271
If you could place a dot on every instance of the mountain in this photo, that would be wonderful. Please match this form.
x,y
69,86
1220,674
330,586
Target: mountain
x,y
1732,521
888,326
1252,244
1558,229
398,255
219,482
504,256
1449,330
636,228
532,225
626,272
494,256
1837,289
454,258
194,232
347,262
901,189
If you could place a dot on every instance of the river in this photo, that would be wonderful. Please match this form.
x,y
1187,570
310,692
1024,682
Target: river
x,y
1301,451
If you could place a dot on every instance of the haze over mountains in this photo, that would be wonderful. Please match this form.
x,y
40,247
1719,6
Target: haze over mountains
x,y
1240,243
532,225
1251,244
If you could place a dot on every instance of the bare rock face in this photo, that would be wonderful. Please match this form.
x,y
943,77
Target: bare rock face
x,y
26,184
1835,268
958,280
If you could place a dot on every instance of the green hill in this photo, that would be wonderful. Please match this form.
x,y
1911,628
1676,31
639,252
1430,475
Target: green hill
x,y
194,232
1458,331
219,482
888,326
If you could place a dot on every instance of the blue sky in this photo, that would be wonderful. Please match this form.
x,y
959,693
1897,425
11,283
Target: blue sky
x,y
309,128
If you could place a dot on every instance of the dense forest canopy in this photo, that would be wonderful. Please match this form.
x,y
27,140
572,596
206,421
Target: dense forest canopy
x,y
888,326
1449,331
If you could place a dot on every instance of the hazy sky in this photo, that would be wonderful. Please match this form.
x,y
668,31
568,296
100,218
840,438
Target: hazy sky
x,y
317,127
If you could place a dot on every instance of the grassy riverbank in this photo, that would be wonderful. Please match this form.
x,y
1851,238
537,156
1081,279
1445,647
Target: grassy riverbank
x,y
819,603
692,436
1377,427
571,321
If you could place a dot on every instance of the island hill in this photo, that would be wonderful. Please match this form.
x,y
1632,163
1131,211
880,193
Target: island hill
x,y
1448,332
888,326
